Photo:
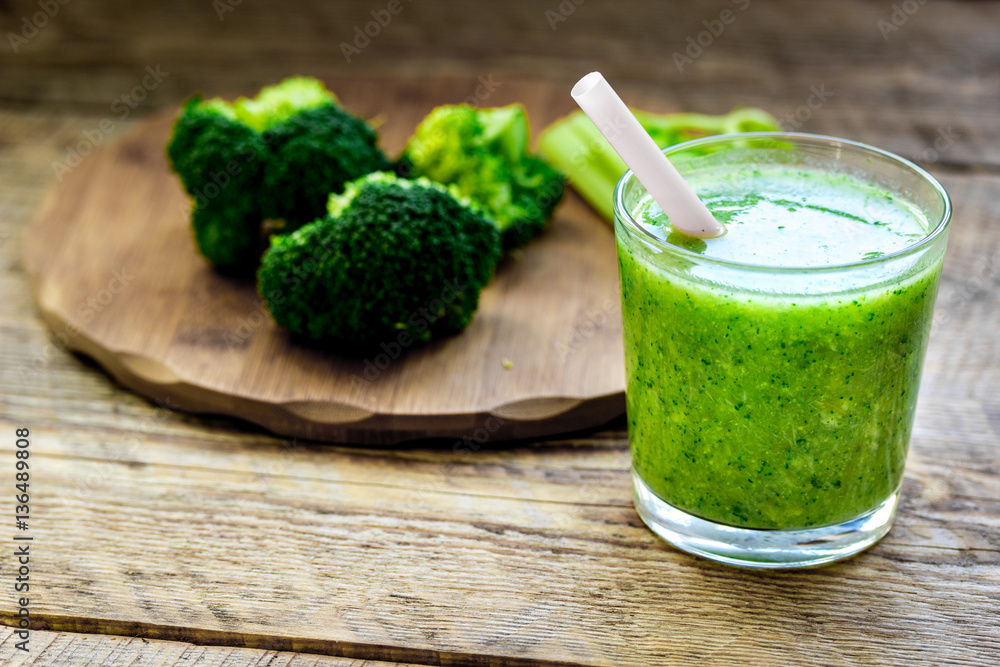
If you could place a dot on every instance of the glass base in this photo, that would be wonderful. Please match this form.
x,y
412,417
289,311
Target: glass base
x,y
768,549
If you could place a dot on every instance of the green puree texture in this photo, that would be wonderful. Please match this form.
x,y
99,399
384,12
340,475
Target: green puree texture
x,y
766,411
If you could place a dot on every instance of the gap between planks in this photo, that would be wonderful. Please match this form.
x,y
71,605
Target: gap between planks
x,y
62,649
220,638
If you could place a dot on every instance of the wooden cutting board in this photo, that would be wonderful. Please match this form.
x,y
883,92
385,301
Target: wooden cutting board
x,y
116,275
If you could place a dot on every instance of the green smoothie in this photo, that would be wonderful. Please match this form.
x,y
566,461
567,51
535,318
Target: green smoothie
x,y
756,406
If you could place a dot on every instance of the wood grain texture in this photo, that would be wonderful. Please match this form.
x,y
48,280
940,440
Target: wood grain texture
x,y
113,263
517,555
158,523
897,90
62,649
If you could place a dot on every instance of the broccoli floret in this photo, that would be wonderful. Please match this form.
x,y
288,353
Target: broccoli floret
x,y
312,154
229,234
215,156
277,103
393,258
484,153
274,157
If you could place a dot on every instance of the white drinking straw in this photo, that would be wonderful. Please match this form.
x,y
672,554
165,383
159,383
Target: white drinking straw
x,y
661,179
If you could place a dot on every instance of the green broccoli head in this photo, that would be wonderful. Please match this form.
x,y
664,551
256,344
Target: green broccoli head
x,y
229,236
312,154
484,153
393,258
276,156
277,103
216,156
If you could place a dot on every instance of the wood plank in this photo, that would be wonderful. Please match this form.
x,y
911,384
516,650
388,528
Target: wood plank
x,y
966,313
898,90
441,554
63,649
536,557
180,527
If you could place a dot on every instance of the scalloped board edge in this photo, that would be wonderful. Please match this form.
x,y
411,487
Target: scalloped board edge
x,y
342,424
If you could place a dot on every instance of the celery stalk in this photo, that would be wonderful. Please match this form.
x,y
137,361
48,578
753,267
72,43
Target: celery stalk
x,y
574,146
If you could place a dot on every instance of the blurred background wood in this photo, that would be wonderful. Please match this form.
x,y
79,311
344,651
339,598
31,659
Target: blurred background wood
x,y
158,524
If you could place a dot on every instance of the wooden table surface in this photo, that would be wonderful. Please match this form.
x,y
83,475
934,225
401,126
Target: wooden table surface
x,y
162,538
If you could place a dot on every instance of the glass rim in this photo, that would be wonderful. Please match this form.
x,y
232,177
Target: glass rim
x,y
933,234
